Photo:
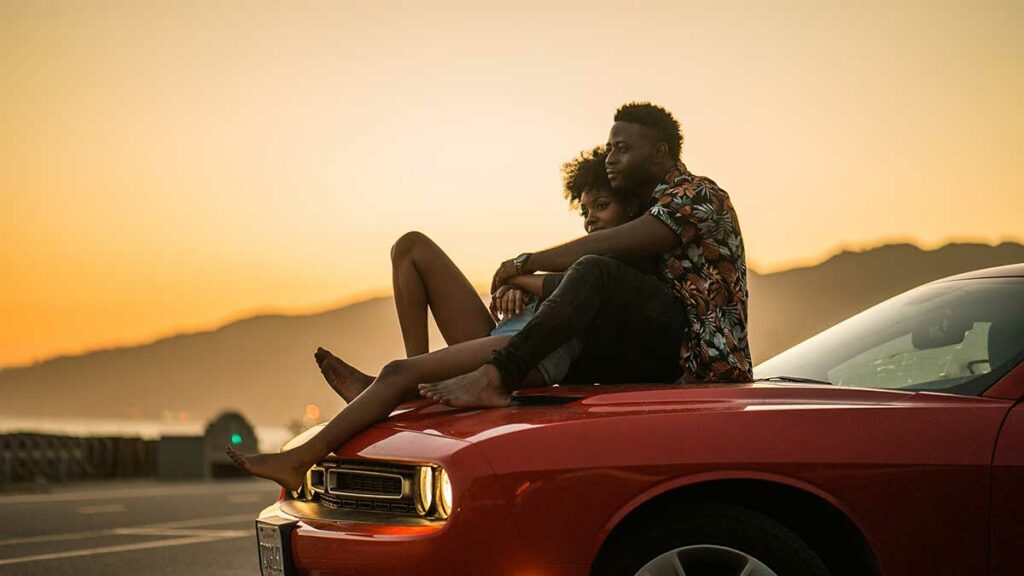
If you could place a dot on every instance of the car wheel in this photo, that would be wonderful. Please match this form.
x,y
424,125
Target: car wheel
x,y
709,540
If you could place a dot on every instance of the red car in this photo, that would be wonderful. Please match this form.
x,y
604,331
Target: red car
x,y
891,444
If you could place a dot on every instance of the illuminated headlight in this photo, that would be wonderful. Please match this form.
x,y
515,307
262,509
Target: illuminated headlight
x,y
305,491
425,489
302,438
444,494
307,486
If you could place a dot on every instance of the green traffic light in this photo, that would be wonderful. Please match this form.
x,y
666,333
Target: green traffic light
x,y
236,438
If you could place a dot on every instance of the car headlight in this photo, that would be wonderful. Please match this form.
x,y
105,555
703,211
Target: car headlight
x,y
302,438
425,489
305,491
444,494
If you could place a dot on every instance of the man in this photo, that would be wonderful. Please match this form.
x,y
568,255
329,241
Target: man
x,y
688,324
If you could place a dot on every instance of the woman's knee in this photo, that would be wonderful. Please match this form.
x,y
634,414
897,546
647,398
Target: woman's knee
x,y
408,244
396,369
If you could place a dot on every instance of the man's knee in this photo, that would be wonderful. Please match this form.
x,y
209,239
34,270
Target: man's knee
x,y
407,244
594,265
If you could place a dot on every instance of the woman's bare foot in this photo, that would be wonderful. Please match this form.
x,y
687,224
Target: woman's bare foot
x,y
344,379
285,468
479,389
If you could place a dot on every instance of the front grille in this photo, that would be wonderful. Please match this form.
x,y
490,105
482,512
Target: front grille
x,y
337,502
364,483
362,486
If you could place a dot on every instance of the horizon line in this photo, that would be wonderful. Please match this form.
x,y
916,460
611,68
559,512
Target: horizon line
x,y
376,293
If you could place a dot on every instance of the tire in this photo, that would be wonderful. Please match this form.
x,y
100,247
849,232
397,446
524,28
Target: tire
x,y
708,540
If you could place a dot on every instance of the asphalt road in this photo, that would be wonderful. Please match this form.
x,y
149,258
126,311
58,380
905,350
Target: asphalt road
x,y
134,528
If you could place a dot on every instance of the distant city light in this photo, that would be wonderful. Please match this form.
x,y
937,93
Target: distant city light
x,y
311,415
236,438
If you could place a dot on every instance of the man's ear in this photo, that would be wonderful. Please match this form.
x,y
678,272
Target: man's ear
x,y
660,153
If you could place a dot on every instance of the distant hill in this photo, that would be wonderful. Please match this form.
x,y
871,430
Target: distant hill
x,y
263,366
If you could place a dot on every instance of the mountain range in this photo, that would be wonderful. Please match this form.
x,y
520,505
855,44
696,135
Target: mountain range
x,y
263,366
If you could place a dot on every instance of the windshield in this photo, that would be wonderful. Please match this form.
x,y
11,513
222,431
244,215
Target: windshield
x,y
957,337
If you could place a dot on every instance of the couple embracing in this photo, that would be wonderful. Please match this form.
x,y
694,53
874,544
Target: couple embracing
x,y
656,291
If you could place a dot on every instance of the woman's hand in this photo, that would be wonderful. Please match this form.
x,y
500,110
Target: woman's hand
x,y
507,301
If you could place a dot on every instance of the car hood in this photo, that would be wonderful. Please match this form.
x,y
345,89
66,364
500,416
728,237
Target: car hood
x,y
564,404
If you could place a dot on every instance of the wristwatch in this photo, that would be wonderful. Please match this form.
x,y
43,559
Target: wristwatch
x,y
520,261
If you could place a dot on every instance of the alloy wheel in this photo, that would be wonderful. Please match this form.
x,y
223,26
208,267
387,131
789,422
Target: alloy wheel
x,y
705,560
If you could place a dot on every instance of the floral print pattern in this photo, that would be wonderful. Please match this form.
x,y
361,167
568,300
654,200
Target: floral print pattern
x,y
708,271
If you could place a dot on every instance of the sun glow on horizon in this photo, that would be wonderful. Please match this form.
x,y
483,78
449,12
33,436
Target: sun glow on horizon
x,y
174,166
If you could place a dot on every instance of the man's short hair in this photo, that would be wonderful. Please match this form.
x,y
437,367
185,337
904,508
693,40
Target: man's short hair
x,y
665,126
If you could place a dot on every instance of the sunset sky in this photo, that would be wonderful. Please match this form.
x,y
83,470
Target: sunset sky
x,y
169,166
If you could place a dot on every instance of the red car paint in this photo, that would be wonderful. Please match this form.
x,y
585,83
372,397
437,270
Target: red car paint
x,y
932,483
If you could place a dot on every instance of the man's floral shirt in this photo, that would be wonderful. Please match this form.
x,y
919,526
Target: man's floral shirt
x,y
708,271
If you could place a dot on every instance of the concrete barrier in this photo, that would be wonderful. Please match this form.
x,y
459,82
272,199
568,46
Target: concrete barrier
x,y
50,458
38,458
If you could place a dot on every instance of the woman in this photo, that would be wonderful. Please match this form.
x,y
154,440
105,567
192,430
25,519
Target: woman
x,y
424,276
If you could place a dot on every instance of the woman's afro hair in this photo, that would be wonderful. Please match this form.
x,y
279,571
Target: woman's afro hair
x,y
585,172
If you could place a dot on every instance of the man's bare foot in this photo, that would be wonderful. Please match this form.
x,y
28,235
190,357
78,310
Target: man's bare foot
x,y
480,388
284,468
344,379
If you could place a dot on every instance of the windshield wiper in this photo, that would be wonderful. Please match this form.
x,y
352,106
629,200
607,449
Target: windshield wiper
x,y
796,379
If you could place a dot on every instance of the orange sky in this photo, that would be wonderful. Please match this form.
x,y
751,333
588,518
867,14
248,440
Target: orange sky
x,y
170,165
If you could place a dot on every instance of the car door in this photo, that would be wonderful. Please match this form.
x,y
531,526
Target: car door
x,y
1008,497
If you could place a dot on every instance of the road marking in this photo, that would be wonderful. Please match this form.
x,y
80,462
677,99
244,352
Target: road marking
x,y
254,487
172,533
102,509
202,521
192,522
121,548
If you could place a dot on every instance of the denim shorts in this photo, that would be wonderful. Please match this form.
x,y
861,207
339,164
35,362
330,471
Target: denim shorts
x,y
556,365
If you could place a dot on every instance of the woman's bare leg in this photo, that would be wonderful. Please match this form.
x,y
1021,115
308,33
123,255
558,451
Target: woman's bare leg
x,y
397,383
345,380
424,276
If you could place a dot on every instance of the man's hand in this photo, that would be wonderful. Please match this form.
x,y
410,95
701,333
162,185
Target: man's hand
x,y
508,269
643,236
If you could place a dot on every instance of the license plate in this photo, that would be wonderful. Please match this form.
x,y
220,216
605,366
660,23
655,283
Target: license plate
x,y
273,536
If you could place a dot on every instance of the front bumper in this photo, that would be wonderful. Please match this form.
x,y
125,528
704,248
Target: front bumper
x,y
334,548
479,538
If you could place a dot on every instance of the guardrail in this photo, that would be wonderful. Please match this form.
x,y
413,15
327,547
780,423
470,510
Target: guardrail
x,y
49,458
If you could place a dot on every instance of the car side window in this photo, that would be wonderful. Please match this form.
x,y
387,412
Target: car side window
x,y
914,361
